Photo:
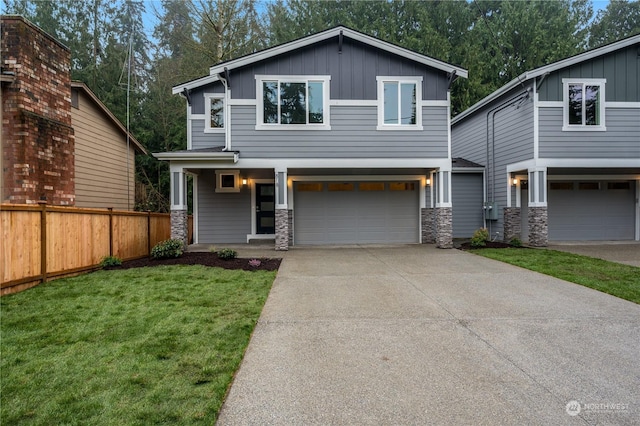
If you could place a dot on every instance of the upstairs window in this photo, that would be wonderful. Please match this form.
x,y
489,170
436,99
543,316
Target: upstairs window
x,y
293,102
583,104
399,103
214,112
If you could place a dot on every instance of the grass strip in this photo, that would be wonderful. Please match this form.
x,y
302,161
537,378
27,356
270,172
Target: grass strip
x,y
140,346
619,280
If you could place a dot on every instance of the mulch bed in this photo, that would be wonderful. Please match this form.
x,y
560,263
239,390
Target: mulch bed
x,y
206,259
489,244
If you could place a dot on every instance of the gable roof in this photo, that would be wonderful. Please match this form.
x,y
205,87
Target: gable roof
x,y
315,38
108,114
554,66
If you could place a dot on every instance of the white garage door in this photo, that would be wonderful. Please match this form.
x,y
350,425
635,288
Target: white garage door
x,y
591,210
356,212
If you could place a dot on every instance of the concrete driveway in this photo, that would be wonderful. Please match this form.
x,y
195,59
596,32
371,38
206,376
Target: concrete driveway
x,y
416,335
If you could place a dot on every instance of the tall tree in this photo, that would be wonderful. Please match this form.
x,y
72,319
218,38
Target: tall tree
x,y
620,19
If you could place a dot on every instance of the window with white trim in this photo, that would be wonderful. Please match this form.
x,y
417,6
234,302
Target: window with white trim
x,y
214,112
227,181
293,101
399,103
583,104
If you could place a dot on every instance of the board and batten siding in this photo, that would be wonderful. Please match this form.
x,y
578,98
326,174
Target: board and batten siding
x,y
353,134
222,217
101,159
620,140
621,69
467,199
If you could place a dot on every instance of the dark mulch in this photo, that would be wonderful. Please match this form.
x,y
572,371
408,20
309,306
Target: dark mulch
x,y
489,244
206,259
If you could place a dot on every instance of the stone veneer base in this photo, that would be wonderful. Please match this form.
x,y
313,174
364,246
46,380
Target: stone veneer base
x,y
444,227
538,227
512,223
179,225
282,229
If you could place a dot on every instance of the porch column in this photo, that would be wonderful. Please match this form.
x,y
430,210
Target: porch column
x,y
512,213
443,212
427,217
537,217
179,225
281,210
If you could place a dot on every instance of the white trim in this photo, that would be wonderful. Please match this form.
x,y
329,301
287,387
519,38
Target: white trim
x,y
556,178
196,216
566,127
203,161
622,104
197,117
326,108
417,81
189,128
509,189
437,103
254,226
574,162
208,79
448,125
547,69
207,113
355,178
236,180
243,102
334,32
354,102
536,122
550,104
226,156
638,209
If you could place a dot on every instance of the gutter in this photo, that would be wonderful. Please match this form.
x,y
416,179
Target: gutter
x,y
225,156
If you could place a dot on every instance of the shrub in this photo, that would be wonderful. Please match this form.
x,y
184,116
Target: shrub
x,y
480,237
167,249
108,261
227,254
515,242
254,263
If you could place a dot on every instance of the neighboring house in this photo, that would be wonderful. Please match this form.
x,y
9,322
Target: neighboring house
x,y
104,167
561,149
335,138
60,144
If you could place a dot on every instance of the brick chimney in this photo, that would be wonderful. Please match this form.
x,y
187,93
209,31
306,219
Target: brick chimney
x,y
37,137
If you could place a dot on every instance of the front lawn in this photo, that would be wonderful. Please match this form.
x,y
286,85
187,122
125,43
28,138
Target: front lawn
x,y
619,280
139,346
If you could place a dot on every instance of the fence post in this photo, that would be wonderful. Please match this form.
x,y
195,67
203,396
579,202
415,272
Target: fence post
x,y
148,232
110,231
43,240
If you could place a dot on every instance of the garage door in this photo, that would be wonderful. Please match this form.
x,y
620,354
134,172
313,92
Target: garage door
x,y
356,212
591,210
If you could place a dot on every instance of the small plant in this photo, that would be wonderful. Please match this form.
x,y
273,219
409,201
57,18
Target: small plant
x,y
480,237
515,242
109,261
254,263
212,249
167,249
227,254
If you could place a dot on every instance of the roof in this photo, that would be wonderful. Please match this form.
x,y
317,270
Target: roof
x,y
555,66
80,85
459,162
315,38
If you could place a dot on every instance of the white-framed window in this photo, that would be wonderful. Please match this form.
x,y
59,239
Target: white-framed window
x,y
583,104
292,102
399,103
227,181
214,112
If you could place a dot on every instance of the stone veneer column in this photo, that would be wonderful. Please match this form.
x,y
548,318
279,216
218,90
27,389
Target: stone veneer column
x,y
512,223
428,226
538,227
282,229
290,231
444,227
179,225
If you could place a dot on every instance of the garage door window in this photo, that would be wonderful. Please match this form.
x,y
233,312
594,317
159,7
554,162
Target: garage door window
x,y
589,186
371,186
619,185
561,186
335,186
310,187
402,186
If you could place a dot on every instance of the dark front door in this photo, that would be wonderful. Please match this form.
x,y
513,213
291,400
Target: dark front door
x,y
265,208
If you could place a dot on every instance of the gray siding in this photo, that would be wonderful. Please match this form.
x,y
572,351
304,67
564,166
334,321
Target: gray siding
x,y
353,134
513,143
621,140
353,72
620,68
197,96
222,217
467,201
200,139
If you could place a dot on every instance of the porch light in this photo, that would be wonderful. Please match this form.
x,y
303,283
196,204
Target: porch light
x,y
428,182
515,181
244,181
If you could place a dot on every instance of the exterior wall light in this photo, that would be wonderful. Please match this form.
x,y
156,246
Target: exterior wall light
x,y
515,181
428,182
244,181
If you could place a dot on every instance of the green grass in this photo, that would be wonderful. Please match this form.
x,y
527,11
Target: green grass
x,y
619,280
139,346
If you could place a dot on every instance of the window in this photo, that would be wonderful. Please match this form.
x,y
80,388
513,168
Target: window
x,y
400,103
293,102
619,185
214,112
227,181
561,186
371,186
402,186
310,187
589,186
584,104
335,186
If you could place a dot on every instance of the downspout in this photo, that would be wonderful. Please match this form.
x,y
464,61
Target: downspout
x,y
227,111
492,170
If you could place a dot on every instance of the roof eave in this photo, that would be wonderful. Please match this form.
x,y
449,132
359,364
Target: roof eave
x,y
197,156
194,83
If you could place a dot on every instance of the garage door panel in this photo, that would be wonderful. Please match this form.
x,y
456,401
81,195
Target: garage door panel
x,y
357,216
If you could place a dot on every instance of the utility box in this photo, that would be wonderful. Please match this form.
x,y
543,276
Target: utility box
x,y
491,210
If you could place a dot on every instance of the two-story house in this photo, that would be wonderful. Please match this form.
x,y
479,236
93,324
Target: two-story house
x,y
561,149
334,138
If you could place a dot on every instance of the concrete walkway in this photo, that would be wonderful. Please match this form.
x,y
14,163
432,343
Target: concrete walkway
x,y
416,335
627,252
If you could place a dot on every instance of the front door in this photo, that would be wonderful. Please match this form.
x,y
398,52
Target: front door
x,y
265,208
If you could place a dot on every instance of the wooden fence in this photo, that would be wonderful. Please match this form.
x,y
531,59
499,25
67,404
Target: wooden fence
x,y
43,242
